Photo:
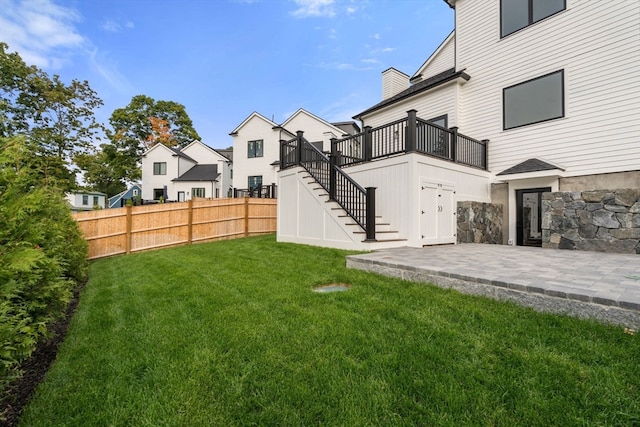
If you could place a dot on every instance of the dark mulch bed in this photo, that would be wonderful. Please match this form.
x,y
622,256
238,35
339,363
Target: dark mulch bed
x,y
35,368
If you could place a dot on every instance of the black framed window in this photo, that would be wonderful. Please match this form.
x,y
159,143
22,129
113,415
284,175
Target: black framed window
x,y
254,148
160,168
441,121
533,101
254,181
158,193
517,14
85,200
197,192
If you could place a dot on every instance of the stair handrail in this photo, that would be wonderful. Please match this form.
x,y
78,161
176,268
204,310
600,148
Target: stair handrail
x,y
356,201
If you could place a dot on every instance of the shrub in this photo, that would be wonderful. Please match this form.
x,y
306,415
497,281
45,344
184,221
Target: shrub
x,y
43,256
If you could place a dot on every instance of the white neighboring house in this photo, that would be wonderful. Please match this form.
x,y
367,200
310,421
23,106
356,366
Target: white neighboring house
x,y
86,200
196,170
553,86
256,144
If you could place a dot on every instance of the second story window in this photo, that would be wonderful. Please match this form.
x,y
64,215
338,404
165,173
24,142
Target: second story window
x,y
160,168
533,101
517,14
254,148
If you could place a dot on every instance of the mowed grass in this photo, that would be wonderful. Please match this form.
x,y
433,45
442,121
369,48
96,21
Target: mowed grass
x,y
230,333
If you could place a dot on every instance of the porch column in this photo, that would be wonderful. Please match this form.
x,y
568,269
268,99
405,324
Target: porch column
x,y
411,131
299,150
371,214
367,149
454,142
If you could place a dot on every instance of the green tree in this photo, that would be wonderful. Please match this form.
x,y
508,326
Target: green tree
x,y
43,256
57,117
105,170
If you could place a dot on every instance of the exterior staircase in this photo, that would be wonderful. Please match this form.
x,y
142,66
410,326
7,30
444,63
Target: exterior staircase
x,y
386,236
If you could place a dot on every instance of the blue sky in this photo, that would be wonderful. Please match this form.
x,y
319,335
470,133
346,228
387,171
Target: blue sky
x,y
224,59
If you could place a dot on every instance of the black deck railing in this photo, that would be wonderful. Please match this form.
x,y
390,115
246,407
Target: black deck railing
x,y
358,202
411,134
259,192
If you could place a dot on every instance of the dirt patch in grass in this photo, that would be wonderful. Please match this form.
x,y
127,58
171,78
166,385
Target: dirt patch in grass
x,y
34,369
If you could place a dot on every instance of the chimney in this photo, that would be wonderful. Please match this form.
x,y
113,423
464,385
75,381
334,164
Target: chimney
x,y
393,82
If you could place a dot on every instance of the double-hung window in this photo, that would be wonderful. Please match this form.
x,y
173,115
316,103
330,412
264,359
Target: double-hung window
x,y
533,101
254,181
517,14
160,168
85,200
254,148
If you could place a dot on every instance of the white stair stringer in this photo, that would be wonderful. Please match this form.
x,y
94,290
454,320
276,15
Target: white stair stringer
x,y
322,222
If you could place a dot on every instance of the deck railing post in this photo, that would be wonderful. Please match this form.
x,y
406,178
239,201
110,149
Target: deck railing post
x,y
334,149
485,144
454,143
411,131
368,148
371,214
299,150
332,176
283,163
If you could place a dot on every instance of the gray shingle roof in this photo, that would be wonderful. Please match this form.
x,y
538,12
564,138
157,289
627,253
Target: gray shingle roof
x,y
530,165
200,173
429,83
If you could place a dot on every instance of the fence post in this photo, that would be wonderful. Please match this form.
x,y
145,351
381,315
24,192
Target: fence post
x,y
411,131
454,143
299,150
371,214
485,143
128,230
246,216
190,221
273,190
367,149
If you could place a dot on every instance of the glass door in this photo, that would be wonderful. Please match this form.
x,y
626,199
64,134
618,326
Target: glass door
x,y
529,216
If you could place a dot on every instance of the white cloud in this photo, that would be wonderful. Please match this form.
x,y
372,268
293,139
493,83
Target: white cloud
x,y
108,69
376,36
115,27
42,33
314,8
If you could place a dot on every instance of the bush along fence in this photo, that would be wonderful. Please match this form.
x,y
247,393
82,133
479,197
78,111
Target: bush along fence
x,y
139,228
603,220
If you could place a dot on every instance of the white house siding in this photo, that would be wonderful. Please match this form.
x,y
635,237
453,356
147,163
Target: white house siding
x,y
397,181
315,129
208,156
305,217
442,60
159,153
438,101
597,43
256,128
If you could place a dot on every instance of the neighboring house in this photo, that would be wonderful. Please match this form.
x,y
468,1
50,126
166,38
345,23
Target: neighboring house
x,y
196,170
86,200
132,193
256,144
536,96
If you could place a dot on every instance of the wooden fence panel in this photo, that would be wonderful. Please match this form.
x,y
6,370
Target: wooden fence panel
x,y
132,229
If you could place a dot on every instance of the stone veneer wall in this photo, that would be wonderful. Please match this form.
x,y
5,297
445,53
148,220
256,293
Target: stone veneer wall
x,y
601,220
479,222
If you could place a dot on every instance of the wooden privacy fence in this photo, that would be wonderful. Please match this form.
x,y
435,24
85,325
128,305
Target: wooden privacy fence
x,y
139,228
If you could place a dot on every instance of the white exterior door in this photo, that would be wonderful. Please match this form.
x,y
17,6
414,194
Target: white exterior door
x,y
437,213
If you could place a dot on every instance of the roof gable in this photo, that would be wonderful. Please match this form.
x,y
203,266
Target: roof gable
x,y
199,144
252,116
302,111
447,43
530,165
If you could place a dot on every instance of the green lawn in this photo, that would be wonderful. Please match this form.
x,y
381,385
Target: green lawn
x,y
230,333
